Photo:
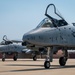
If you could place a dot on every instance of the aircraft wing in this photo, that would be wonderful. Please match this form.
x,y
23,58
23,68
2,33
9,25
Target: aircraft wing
x,y
16,41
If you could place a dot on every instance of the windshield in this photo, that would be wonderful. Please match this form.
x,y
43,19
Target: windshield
x,y
54,15
45,23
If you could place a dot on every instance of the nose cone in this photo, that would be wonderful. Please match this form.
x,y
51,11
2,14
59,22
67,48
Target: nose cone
x,y
25,39
27,36
30,37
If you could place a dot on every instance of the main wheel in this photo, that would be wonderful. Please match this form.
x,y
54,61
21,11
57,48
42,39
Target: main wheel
x,y
15,58
3,59
62,61
47,64
34,58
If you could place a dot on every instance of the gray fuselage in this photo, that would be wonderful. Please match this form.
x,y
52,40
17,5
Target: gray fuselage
x,y
51,36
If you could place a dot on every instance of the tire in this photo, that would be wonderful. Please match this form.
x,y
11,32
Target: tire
x,y
62,61
3,59
34,58
15,58
47,64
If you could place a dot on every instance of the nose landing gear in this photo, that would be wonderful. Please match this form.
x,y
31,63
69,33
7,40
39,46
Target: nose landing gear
x,y
15,57
34,57
3,56
49,58
47,64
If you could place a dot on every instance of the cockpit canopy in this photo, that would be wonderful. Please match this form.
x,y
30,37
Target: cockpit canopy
x,y
48,23
54,19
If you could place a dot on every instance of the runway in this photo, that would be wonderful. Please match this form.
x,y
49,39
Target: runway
x,y
30,67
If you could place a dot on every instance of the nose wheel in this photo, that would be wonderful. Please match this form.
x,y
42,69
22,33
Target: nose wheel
x,y
34,57
47,64
3,57
48,58
15,57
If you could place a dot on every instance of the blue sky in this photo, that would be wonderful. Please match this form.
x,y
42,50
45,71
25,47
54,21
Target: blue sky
x,y
20,16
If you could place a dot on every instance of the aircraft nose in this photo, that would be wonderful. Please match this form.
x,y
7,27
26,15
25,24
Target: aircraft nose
x,y
25,40
25,37
29,37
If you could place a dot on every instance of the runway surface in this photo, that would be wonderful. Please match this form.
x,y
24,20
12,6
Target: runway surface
x,y
30,67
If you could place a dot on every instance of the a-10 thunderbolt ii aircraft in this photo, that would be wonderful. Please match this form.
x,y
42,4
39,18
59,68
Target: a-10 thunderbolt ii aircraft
x,y
10,47
53,33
